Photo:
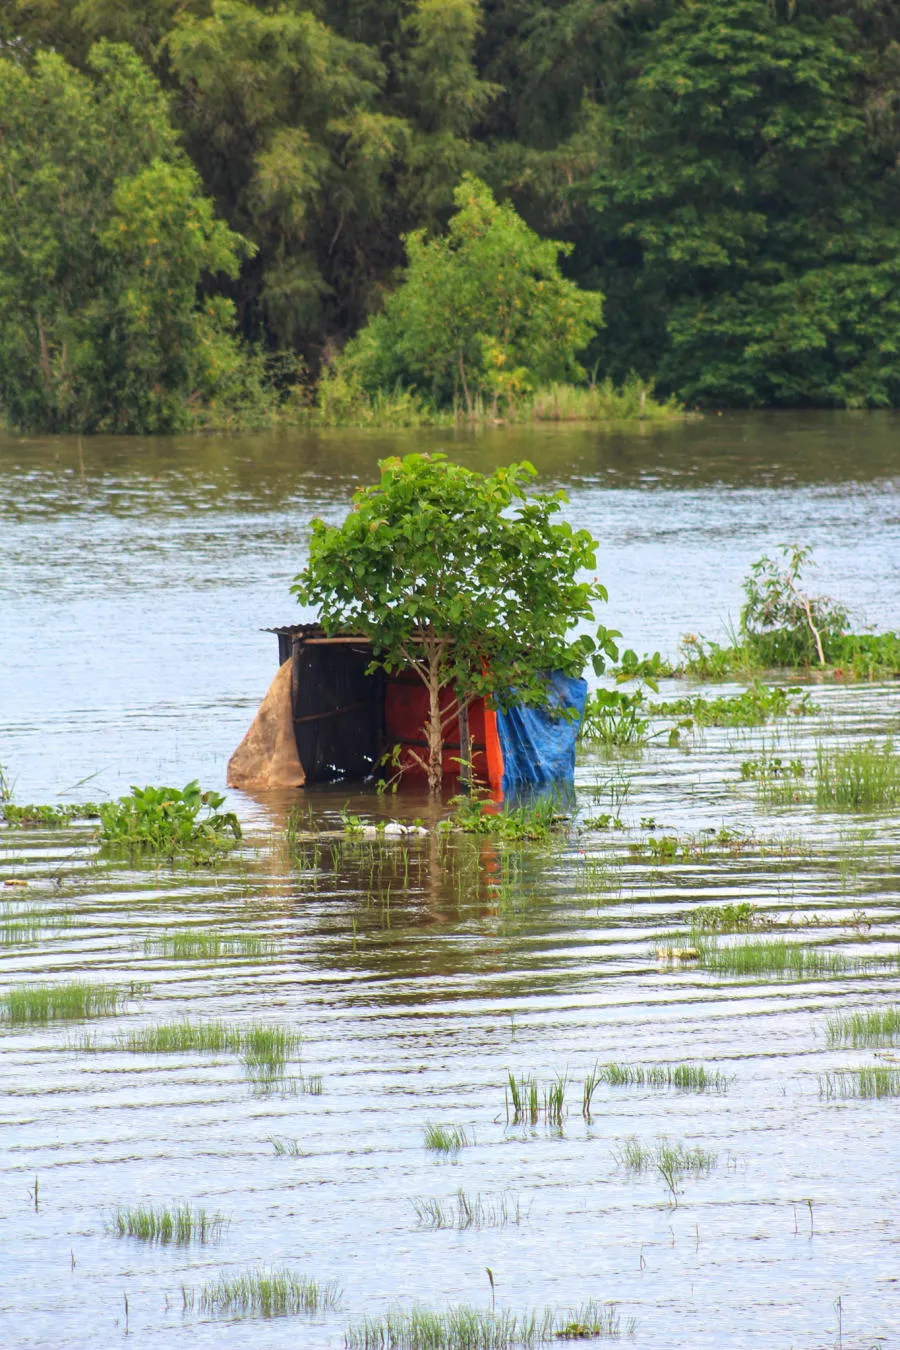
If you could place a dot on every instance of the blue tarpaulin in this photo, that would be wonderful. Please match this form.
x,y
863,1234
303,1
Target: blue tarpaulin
x,y
538,744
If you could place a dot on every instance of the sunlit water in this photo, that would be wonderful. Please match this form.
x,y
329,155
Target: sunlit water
x,y
133,582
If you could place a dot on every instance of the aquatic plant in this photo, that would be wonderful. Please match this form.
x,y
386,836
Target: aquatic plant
x,y
188,944
523,1094
872,1080
466,1211
264,1293
180,1225
466,1328
670,1161
613,718
859,778
446,1138
533,820
265,1049
774,956
167,822
753,707
592,1321
881,1026
687,1077
184,1037
31,816
740,917
37,1003
286,1148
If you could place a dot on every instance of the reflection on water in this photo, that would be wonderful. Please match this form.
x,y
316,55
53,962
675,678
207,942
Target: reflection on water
x,y
420,972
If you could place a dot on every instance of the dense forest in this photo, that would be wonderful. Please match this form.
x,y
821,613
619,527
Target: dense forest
x,y
223,189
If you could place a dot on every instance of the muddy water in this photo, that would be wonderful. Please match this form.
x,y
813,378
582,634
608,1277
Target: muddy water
x,y
133,581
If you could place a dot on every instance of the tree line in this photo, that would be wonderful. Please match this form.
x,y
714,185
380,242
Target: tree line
x,y
204,200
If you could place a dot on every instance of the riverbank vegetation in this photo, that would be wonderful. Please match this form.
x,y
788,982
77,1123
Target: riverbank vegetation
x,y
203,206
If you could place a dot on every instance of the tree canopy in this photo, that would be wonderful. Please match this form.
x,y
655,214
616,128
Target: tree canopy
x,y
105,234
482,308
725,174
464,577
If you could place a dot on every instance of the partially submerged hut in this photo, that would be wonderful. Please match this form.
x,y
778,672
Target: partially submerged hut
x,y
326,717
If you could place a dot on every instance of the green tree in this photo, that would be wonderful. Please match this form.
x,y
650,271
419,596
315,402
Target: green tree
x,y
463,577
485,299
104,239
749,204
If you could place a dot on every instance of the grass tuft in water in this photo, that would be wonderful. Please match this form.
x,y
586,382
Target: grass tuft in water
x,y
861,778
525,1105
670,1161
467,1328
686,1077
286,1148
194,945
180,1225
446,1138
466,1211
875,1080
30,1004
264,1293
773,956
879,1027
184,1037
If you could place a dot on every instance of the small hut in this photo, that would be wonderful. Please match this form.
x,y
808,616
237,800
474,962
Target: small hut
x,y
327,717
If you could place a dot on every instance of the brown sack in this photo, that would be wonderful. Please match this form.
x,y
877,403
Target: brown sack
x,y
267,756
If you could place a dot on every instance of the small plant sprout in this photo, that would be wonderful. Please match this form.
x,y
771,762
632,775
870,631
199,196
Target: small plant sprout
x,y
447,1139
264,1293
180,1225
670,1161
466,1211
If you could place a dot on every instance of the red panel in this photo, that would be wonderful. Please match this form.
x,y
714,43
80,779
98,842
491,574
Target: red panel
x,y
405,715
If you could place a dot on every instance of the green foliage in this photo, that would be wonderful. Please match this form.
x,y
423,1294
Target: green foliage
x,y
180,1225
780,622
859,778
28,817
613,718
483,310
169,822
462,577
534,820
753,201
105,237
264,1293
724,173
36,1003
782,625
752,708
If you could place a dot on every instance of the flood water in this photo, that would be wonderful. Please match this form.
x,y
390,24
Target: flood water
x,y
135,577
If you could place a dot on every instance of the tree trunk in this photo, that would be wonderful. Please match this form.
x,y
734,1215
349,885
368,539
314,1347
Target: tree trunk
x,y
434,730
462,376
465,745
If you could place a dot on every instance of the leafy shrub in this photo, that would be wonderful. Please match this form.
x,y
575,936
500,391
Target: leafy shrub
x,y
782,623
166,821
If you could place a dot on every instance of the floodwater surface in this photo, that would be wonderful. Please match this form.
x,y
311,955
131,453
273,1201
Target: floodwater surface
x,y
134,579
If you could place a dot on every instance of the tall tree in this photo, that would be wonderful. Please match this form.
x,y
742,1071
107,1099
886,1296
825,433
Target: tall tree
x,y
104,238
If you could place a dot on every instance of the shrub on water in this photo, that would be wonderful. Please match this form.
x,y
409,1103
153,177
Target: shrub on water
x,y
166,822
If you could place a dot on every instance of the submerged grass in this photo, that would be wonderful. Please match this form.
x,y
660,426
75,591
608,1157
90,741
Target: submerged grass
x,y
264,1293
57,1002
881,1026
876,1080
180,1225
170,1038
195,945
446,1138
637,1157
466,1328
466,1211
687,1077
774,956
860,778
